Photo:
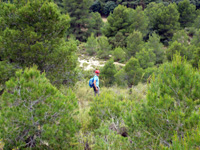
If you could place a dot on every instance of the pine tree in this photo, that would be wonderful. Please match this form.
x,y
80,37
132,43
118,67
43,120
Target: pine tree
x,y
172,103
34,34
187,13
168,22
119,40
196,39
195,48
174,48
122,22
104,48
157,47
163,20
91,45
152,11
195,56
181,37
59,3
134,43
120,78
36,112
7,71
197,22
79,13
96,6
146,58
108,73
109,7
96,24
133,72
119,54
138,20
116,22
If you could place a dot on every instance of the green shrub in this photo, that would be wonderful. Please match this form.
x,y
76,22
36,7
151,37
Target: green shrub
x,y
196,39
109,7
6,71
34,34
157,47
134,44
148,73
196,55
104,47
105,107
130,75
108,72
191,31
96,6
96,23
119,40
174,48
120,78
172,104
35,114
146,58
108,136
91,45
133,72
181,37
187,13
119,54
197,22
189,141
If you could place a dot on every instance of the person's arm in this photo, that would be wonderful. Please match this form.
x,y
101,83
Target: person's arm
x,y
95,85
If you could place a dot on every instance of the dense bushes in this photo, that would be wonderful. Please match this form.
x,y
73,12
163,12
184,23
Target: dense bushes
x,y
187,13
35,114
190,141
105,107
6,71
172,103
122,22
34,34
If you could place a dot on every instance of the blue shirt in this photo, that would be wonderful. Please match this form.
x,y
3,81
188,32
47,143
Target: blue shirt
x,y
96,78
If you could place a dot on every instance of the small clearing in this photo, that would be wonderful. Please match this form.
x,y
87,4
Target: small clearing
x,y
93,63
104,19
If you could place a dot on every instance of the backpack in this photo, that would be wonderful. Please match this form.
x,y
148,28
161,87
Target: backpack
x,y
91,82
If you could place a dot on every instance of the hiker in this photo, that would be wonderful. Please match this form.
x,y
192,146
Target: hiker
x,y
96,82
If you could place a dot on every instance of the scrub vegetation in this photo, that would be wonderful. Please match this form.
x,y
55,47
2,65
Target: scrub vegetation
x,y
148,54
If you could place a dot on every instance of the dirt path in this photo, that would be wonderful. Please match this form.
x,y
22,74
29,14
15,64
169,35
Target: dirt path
x,y
104,19
93,63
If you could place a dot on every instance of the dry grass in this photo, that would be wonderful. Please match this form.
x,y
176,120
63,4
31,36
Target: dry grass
x,y
1,144
85,94
135,93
